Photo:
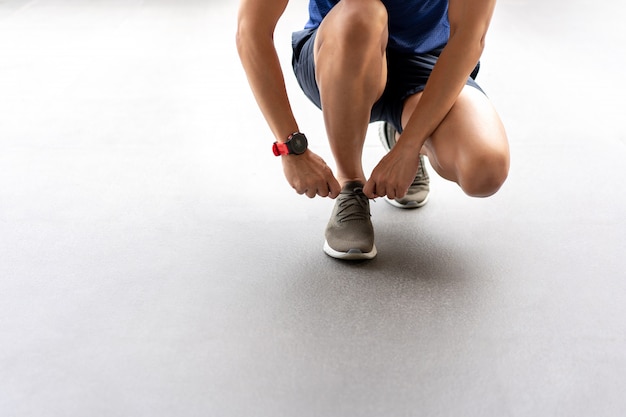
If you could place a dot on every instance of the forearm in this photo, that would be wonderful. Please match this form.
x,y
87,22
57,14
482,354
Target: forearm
x,y
262,66
446,82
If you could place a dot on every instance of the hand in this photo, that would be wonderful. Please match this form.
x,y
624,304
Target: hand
x,y
394,174
308,174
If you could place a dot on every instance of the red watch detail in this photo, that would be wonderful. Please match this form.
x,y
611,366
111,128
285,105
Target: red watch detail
x,y
296,144
280,148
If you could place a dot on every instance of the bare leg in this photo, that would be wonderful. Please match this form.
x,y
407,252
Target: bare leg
x,y
351,72
470,146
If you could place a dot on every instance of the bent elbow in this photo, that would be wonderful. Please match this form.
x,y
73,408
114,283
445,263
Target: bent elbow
x,y
249,34
473,39
243,34
482,41
240,36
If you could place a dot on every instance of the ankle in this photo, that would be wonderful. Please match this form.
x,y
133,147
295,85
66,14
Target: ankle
x,y
344,180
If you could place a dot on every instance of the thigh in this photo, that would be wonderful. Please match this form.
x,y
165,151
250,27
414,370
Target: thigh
x,y
472,131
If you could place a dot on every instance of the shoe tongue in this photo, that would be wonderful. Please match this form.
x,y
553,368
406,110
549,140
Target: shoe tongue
x,y
352,186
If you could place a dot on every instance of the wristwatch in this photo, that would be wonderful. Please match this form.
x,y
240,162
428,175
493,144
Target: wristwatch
x,y
296,145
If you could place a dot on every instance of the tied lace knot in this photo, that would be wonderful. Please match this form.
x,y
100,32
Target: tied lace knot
x,y
353,205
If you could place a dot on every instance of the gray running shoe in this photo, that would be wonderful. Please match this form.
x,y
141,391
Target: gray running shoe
x,y
417,195
350,234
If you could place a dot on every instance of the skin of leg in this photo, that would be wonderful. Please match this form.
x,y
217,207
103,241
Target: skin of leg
x,y
470,146
351,72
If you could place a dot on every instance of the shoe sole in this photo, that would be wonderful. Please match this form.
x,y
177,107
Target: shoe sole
x,y
351,255
409,205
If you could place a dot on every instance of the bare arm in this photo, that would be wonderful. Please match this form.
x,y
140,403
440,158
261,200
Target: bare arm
x,y
306,173
255,43
469,22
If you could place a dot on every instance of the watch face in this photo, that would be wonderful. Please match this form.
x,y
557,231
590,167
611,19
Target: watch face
x,y
298,143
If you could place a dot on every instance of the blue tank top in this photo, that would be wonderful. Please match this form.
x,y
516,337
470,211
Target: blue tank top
x,y
415,26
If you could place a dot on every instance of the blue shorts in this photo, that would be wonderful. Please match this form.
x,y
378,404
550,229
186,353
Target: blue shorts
x,y
406,75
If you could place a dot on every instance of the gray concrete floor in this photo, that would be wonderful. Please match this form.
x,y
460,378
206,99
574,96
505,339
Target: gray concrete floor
x,y
148,269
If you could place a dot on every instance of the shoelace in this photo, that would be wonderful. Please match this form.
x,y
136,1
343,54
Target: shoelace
x,y
353,206
420,179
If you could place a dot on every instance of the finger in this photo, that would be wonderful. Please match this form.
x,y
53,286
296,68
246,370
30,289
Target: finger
x,y
369,189
333,187
311,192
323,191
380,191
374,188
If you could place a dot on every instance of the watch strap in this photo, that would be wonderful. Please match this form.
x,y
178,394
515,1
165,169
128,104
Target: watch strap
x,y
280,148
283,148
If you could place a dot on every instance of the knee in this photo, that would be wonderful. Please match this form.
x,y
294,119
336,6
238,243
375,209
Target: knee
x,y
483,176
363,20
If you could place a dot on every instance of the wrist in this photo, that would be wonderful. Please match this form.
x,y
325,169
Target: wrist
x,y
296,144
409,145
